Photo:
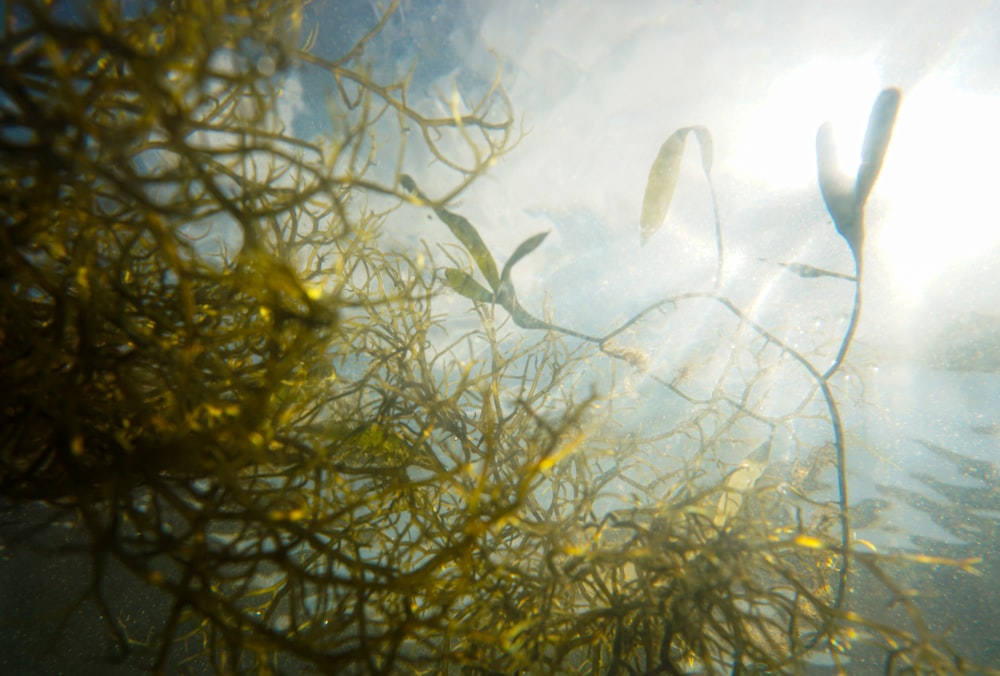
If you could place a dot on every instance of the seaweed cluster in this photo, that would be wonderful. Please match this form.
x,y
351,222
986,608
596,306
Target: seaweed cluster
x,y
249,402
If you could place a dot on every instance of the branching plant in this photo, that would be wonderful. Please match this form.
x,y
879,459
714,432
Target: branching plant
x,y
251,402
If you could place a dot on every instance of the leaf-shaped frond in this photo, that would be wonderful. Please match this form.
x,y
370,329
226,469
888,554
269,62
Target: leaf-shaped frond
x,y
523,249
877,136
707,148
838,190
464,232
845,198
809,271
473,243
464,284
663,176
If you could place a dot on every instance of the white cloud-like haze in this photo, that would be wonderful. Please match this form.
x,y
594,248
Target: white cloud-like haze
x,y
601,85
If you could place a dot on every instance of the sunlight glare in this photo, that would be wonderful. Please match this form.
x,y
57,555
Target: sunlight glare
x,y
938,183
778,143
932,199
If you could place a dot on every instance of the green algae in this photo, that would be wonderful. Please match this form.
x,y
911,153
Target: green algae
x,y
254,406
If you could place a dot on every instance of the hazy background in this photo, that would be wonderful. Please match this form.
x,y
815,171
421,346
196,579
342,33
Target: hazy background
x,y
600,85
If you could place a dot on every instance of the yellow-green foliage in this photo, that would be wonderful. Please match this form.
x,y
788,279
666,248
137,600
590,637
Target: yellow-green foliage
x,y
253,404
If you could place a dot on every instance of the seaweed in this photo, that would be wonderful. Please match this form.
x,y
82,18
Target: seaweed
x,y
248,403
